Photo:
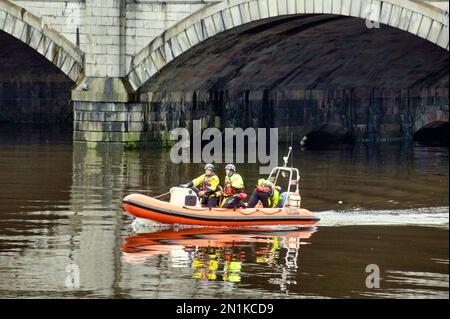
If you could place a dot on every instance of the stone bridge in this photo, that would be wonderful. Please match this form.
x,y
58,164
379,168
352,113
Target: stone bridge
x,y
129,70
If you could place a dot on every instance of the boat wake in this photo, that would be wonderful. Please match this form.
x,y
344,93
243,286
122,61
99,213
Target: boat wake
x,y
430,216
143,226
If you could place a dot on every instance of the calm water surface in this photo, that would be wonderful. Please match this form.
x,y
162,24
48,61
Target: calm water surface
x,y
60,215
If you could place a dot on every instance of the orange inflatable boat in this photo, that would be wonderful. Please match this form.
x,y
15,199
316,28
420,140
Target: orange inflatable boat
x,y
184,207
148,208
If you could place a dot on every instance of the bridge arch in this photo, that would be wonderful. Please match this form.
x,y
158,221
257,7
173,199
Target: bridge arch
x,y
419,19
329,133
30,30
435,132
432,119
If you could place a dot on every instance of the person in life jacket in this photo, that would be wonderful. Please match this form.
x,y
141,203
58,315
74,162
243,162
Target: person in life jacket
x,y
233,192
266,192
206,185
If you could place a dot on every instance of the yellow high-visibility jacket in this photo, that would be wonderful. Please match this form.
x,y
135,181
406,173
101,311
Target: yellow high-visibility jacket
x,y
233,184
207,184
274,195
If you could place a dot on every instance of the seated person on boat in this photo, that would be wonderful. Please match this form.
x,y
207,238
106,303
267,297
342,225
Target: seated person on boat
x,y
266,192
234,191
207,186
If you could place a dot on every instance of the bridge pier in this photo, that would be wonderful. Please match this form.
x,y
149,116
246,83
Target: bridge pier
x,y
104,104
106,111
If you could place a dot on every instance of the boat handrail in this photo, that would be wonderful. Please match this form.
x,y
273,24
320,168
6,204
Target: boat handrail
x,y
292,181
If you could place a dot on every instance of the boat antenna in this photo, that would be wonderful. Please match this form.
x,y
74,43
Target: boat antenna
x,y
286,158
285,161
292,157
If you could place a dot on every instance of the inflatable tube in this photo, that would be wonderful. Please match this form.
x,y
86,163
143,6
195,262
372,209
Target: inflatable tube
x,y
145,207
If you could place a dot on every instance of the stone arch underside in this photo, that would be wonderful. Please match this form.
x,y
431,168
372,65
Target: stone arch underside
x,y
38,69
415,18
29,29
298,73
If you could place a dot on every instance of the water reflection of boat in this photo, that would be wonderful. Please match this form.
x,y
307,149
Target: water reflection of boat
x,y
219,253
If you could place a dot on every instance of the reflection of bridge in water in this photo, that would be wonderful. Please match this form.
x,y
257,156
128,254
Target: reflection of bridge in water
x,y
223,254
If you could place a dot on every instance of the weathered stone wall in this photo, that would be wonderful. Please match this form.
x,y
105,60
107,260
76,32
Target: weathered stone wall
x,y
107,112
109,122
365,114
110,32
147,20
63,16
43,99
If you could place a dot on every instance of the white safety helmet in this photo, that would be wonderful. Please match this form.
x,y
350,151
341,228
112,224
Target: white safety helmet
x,y
231,167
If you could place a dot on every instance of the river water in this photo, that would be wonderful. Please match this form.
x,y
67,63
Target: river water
x,y
63,232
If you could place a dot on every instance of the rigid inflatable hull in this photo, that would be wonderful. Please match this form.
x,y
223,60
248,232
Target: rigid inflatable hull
x,y
145,207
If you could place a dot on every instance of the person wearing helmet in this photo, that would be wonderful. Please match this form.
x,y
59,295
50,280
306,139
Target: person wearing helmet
x,y
266,192
206,185
234,191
